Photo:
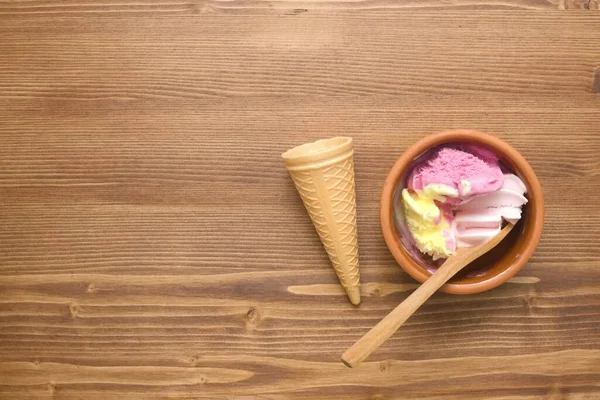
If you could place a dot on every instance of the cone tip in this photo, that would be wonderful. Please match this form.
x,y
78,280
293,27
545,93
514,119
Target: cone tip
x,y
354,294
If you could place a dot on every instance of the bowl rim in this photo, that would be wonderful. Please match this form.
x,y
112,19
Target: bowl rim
x,y
457,135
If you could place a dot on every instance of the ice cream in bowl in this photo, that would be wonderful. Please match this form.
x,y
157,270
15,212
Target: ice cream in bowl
x,y
458,189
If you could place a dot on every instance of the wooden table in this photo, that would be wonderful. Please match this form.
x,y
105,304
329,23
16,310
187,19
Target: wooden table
x,y
152,244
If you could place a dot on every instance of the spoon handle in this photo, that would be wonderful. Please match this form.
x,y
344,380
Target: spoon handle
x,y
390,324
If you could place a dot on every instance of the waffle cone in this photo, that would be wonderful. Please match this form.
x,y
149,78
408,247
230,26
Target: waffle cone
x,y
323,173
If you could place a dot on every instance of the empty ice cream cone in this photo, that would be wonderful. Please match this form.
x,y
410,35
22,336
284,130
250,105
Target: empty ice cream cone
x,y
323,173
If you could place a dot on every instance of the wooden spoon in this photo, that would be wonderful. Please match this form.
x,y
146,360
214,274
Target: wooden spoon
x,y
390,324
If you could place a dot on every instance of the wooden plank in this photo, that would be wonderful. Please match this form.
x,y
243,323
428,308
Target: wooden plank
x,y
287,7
304,55
464,375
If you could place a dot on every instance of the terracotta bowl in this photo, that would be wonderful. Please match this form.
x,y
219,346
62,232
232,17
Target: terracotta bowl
x,y
501,263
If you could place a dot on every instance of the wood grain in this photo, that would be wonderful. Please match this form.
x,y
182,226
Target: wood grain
x,y
152,244
191,57
293,7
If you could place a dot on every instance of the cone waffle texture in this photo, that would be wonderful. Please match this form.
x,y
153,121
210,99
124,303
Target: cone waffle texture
x,y
326,186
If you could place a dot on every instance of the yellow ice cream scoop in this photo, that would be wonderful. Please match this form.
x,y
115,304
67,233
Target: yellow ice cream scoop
x,y
427,224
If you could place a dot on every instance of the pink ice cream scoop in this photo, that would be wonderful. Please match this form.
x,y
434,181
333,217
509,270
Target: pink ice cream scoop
x,y
460,171
465,185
